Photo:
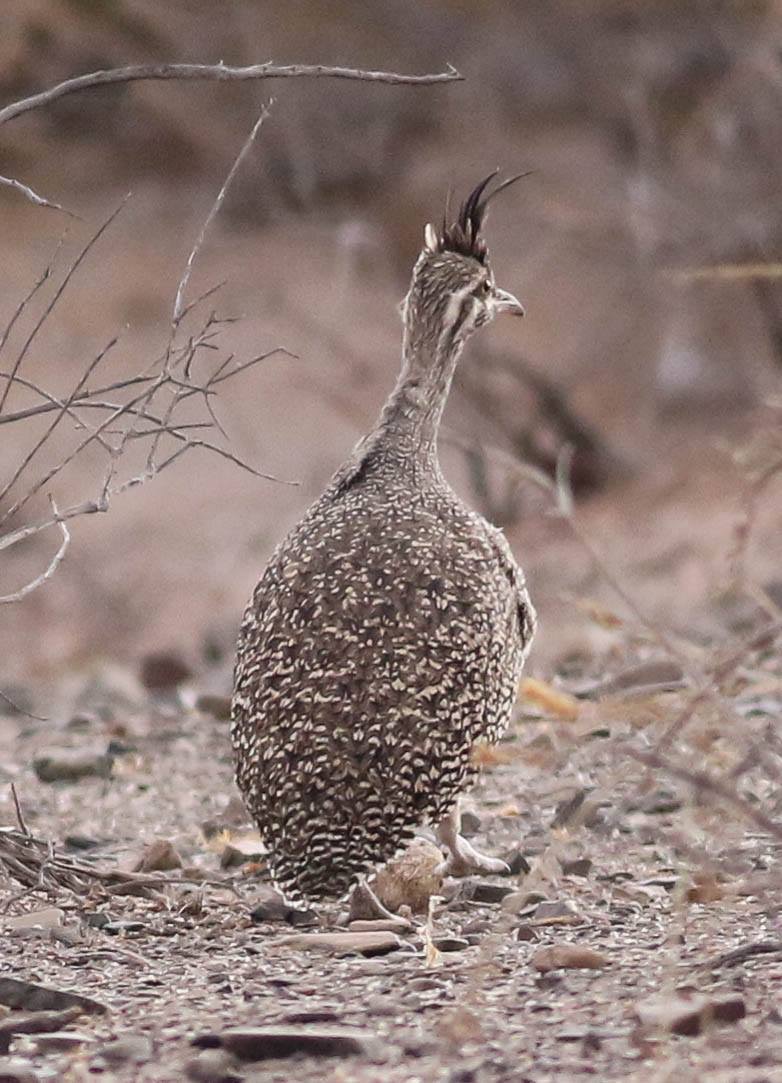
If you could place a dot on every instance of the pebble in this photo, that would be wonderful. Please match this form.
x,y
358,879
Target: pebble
x,y
263,1043
273,908
14,1070
526,932
481,891
122,927
69,765
130,1047
163,671
470,823
47,918
218,707
213,1066
410,879
578,867
516,862
62,1041
37,998
555,913
450,943
159,855
33,1022
567,957
343,943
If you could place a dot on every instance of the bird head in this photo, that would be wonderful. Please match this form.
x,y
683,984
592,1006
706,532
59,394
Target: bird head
x,y
453,292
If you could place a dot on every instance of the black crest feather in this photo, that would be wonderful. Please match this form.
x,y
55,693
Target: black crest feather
x,y
464,234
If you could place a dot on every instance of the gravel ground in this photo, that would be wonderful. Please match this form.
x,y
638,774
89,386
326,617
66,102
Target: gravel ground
x,y
657,879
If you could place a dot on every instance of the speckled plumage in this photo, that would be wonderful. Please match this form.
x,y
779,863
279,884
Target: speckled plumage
x,y
388,632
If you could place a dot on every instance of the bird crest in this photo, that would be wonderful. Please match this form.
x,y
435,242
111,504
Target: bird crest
x,y
463,235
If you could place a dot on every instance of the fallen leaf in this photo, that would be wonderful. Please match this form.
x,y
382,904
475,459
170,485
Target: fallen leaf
x,y
549,699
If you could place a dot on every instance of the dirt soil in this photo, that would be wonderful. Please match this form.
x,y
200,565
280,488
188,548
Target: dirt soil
x,y
670,883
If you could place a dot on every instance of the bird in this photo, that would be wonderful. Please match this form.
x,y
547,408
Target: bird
x,y
388,632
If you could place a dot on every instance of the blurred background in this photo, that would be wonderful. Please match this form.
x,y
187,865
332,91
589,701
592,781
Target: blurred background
x,y
646,248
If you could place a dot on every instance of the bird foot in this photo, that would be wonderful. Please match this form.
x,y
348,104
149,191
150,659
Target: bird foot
x,y
463,860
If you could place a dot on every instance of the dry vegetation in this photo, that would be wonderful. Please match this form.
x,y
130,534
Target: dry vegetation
x,y
630,445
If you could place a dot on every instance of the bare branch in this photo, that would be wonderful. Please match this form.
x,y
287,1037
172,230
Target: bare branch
x,y
179,301
28,193
55,562
57,294
218,73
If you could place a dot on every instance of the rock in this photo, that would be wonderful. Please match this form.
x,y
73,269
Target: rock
x,y
135,1048
159,856
567,957
62,1041
240,850
689,1013
36,919
470,823
578,867
71,765
213,1066
66,934
481,891
33,1022
379,925
556,913
526,932
218,707
99,919
38,998
343,943
272,908
123,927
412,878
516,861
264,1043
15,1070
81,842
163,671
450,943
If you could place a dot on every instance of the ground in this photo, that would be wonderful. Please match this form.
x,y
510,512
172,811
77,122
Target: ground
x,y
662,878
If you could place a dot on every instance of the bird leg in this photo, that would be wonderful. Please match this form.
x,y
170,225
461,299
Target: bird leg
x,y
463,858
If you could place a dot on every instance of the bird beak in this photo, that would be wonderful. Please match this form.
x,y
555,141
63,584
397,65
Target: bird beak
x,y
506,302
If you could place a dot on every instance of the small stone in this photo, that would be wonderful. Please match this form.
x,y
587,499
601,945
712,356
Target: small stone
x,y
470,823
62,1041
80,842
67,934
271,907
218,707
38,998
69,765
412,878
578,867
159,856
240,850
516,862
15,1070
450,943
556,913
163,671
36,919
482,891
343,943
122,927
379,925
99,919
264,1043
33,1022
567,957
131,1047
213,1066
526,932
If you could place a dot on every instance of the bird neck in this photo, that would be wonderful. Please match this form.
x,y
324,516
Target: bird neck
x,y
410,419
